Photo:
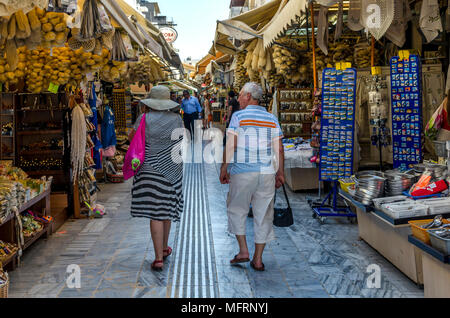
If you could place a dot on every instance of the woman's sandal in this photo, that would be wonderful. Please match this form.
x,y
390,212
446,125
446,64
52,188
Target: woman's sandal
x,y
167,252
157,268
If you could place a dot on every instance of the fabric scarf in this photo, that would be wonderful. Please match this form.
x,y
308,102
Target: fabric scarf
x,y
340,21
94,135
387,16
430,19
354,16
397,31
322,30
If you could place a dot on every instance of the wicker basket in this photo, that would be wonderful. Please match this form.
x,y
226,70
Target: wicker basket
x,y
4,287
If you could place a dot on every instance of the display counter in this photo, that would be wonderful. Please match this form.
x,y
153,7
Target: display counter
x,y
388,239
300,173
436,270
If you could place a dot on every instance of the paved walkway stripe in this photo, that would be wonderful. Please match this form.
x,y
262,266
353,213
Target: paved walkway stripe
x,y
194,273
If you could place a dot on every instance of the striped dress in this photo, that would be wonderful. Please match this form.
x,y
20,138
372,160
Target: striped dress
x,y
157,191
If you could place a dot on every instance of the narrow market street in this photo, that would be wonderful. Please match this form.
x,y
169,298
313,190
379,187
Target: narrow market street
x,y
115,253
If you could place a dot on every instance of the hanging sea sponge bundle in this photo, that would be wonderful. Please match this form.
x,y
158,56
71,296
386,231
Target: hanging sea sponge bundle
x,y
74,43
89,46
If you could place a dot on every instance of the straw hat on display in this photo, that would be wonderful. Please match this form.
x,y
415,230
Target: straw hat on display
x,y
159,99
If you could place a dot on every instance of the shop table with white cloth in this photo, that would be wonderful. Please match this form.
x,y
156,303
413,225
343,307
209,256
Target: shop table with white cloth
x,y
300,173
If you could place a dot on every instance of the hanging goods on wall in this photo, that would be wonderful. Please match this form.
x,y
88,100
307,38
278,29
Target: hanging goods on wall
x,y
406,110
380,133
337,134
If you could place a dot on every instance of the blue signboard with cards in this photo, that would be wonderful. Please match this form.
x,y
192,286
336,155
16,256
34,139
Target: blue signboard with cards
x,y
406,111
338,123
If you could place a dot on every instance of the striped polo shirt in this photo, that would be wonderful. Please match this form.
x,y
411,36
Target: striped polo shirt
x,y
256,129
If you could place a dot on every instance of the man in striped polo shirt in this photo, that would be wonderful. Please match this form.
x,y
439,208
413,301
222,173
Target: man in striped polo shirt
x,y
253,167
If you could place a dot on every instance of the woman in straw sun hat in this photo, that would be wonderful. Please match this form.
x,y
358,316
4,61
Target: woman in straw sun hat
x,y
157,191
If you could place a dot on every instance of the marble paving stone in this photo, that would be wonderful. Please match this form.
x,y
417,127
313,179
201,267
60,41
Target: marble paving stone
x,y
149,278
46,290
235,291
232,274
120,278
338,285
150,292
117,292
76,293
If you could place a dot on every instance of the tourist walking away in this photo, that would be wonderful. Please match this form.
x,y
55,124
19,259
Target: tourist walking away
x,y
232,107
157,191
253,134
207,120
191,108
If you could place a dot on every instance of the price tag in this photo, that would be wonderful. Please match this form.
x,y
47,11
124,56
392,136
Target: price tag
x,y
404,55
346,65
339,66
53,88
376,70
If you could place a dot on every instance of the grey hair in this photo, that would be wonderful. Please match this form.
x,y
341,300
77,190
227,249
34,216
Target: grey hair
x,y
253,89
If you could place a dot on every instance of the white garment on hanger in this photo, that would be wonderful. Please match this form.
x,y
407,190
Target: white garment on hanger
x,y
430,19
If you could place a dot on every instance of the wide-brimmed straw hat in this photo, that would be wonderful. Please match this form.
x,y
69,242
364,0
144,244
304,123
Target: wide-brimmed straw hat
x,y
159,99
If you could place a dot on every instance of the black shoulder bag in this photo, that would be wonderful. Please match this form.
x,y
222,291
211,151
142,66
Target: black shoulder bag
x,y
283,217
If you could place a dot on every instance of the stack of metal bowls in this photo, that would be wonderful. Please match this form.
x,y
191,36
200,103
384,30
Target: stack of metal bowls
x,y
369,185
397,182
439,171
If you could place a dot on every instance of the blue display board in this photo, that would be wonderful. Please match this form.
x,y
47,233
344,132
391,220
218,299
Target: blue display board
x,y
406,111
338,124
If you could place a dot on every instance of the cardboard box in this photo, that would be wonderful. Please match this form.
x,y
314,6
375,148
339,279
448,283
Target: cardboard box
x,y
302,179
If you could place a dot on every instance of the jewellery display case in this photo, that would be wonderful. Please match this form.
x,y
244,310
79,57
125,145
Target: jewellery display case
x,y
294,112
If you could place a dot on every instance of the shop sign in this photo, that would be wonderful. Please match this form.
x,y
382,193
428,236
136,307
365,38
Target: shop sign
x,y
170,34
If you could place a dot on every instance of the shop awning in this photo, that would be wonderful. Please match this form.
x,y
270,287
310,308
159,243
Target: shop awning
x,y
117,14
246,26
179,86
204,62
283,20
267,22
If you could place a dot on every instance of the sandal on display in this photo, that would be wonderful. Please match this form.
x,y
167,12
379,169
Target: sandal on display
x,y
157,268
167,252
237,260
259,269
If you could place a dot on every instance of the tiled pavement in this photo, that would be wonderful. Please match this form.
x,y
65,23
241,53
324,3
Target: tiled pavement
x,y
115,253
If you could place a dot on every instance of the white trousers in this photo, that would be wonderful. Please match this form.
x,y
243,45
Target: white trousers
x,y
259,190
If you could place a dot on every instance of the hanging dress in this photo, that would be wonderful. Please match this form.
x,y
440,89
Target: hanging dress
x,y
157,191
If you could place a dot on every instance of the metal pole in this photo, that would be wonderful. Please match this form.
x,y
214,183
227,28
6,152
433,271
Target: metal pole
x,y
313,47
372,52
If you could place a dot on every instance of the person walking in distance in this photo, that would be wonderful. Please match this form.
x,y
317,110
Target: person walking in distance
x,y
253,139
207,120
191,108
157,192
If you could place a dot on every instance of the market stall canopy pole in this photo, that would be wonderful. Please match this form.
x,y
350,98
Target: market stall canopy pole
x,y
313,48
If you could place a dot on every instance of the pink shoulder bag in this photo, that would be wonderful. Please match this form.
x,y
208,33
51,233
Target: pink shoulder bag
x,y
134,159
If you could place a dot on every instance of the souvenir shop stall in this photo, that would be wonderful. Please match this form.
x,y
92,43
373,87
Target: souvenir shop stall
x,y
65,111
371,97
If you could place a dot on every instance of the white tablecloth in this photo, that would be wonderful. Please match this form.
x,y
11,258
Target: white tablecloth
x,y
298,159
